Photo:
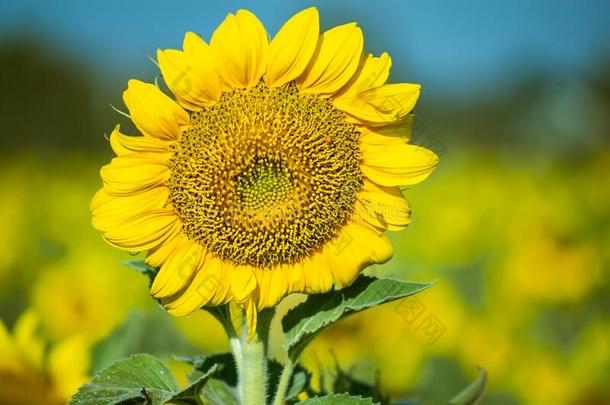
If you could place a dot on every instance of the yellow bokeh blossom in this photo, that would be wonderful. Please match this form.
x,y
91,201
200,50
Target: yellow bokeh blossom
x,y
31,373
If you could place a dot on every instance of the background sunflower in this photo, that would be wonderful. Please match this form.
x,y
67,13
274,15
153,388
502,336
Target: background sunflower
x,y
514,224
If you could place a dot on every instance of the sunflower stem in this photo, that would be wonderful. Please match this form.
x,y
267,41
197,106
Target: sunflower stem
x,y
283,384
253,376
235,343
251,359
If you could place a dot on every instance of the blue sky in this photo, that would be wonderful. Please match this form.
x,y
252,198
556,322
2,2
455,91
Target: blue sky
x,y
449,46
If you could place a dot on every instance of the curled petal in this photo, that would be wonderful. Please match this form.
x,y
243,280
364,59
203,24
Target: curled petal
x,y
143,231
162,253
397,165
154,113
124,144
240,48
134,173
200,290
383,207
317,275
381,105
335,61
272,286
243,282
251,317
292,47
374,73
190,74
178,270
108,211
389,135
356,247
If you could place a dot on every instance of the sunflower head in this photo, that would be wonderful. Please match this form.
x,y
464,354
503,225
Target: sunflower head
x,y
33,372
273,168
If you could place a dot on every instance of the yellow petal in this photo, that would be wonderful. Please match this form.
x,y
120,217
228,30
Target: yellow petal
x,y
236,316
380,105
292,47
154,113
335,61
397,165
135,172
374,73
263,280
191,74
123,144
222,295
143,231
108,211
273,285
240,48
397,134
317,274
356,247
295,277
243,282
178,270
160,254
68,364
251,317
27,340
383,207
200,290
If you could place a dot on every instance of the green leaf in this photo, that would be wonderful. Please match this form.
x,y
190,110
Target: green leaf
x,y
139,379
299,379
223,361
216,392
344,382
473,393
192,393
305,321
139,265
221,389
299,382
337,399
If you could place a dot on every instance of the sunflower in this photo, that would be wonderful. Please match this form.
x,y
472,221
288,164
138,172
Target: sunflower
x,y
32,372
273,169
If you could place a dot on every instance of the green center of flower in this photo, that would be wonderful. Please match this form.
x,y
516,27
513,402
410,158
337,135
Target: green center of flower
x,y
265,176
264,185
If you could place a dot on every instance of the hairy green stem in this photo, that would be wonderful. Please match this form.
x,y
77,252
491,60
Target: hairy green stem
x,y
283,384
253,376
251,360
237,353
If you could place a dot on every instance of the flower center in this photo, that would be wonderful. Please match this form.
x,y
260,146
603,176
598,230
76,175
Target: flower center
x,y
263,185
266,175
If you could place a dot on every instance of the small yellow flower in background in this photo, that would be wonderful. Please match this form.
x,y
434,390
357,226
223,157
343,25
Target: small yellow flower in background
x,y
573,267
31,375
71,301
275,169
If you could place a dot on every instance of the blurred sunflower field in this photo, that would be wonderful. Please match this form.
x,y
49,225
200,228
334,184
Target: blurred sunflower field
x,y
514,225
